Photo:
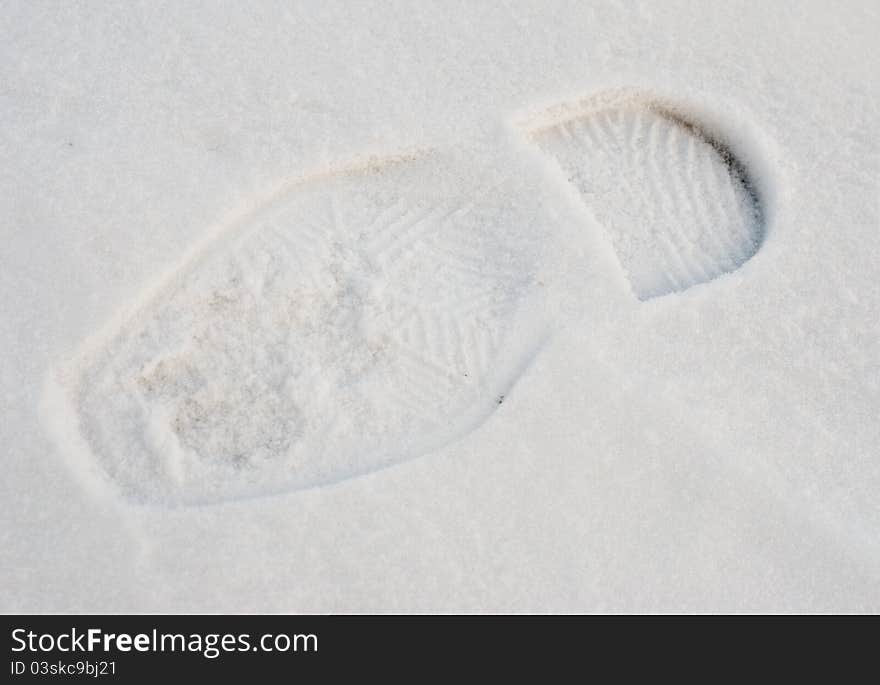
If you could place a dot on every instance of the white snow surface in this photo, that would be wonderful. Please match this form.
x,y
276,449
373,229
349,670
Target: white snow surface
x,y
504,403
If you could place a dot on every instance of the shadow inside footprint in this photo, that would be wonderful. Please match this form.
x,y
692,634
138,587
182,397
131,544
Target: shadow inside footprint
x,y
677,205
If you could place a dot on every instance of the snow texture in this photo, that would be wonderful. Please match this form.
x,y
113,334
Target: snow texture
x,y
357,318
417,306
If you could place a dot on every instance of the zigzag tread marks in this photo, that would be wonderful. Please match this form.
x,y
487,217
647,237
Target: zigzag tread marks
x,y
676,207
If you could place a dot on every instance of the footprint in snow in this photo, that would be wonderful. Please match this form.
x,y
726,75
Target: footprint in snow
x,y
365,316
676,204
359,318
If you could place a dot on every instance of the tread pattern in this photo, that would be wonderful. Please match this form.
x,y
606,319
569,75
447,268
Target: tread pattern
x,y
353,323
677,206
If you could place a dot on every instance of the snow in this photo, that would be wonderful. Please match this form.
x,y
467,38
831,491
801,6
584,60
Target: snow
x,y
624,440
